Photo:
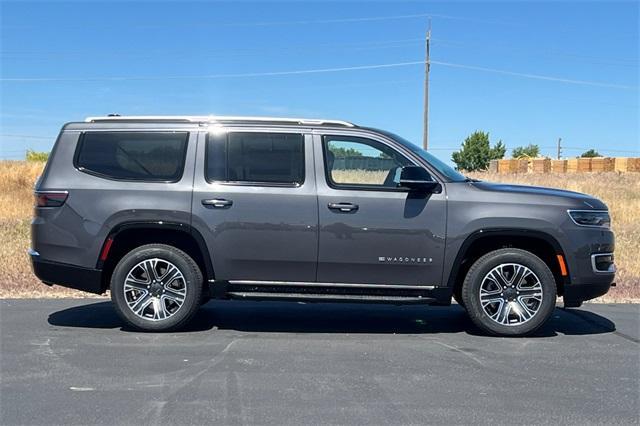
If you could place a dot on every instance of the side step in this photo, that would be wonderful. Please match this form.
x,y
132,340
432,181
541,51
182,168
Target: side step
x,y
317,297
326,292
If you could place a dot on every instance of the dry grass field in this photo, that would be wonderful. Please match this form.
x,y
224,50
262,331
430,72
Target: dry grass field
x,y
621,192
16,195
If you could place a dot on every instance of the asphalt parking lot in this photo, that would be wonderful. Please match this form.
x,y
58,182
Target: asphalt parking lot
x,y
72,362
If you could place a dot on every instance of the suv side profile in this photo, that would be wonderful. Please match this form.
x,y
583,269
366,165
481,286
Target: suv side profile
x,y
169,212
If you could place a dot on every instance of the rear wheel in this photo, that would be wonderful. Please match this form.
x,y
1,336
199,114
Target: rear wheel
x,y
509,292
156,287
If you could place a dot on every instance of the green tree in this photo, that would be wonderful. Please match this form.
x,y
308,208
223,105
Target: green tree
x,y
590,154
37,156
476,152
530,150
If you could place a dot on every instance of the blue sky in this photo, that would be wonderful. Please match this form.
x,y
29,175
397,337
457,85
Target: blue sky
x,y
60,61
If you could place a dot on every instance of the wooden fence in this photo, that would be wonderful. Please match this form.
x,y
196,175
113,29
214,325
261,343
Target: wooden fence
x,y
571,165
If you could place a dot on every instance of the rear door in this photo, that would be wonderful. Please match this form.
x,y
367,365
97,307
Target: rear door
x,y
371,231
255,203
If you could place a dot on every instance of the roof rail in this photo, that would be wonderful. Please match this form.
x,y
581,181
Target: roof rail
x,y
217,119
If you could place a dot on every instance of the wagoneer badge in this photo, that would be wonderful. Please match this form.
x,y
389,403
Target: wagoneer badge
x,y
402,259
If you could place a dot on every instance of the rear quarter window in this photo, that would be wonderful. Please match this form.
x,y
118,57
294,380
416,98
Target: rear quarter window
x,y
140,156
256,158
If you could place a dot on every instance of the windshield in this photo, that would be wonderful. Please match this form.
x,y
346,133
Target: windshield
x,y
446,170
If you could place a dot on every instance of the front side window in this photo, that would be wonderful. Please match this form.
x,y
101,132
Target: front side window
x,y
144,156
253,157
361,162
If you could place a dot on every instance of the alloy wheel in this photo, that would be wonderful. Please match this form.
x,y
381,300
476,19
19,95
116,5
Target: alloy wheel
x,y
511,294
155,289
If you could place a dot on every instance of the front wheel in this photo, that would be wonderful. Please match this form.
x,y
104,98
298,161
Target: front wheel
x,y
509,292
156,287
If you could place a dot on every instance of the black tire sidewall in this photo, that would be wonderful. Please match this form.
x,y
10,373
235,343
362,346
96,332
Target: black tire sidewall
x,y
186,265
477,272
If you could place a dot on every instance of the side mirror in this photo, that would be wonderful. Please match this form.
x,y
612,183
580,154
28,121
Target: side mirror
x,y
418,179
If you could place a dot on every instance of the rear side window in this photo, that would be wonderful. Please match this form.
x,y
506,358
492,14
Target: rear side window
x,y
251,157
144,156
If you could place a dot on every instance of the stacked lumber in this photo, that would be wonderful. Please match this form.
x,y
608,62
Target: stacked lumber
x,y
522,165
572,165
602,164
624,164
578,165
540,165
507,165
559,166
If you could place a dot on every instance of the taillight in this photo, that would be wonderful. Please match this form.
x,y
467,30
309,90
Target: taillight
x,y
51,198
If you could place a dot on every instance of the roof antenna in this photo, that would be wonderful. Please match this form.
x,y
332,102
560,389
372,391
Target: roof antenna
x,y
113,114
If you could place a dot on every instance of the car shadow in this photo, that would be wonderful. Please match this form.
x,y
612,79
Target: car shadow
x,y
287,317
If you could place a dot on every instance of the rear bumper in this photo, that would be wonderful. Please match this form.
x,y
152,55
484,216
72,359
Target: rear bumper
x,y
84,279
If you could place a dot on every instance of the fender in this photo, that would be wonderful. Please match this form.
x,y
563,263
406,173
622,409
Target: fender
x,y
500,232
162,225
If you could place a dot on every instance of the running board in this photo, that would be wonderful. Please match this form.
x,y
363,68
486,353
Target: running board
x,y
324,297
329,292
331,285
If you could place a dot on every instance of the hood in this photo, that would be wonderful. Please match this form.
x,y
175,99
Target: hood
x,y
575,199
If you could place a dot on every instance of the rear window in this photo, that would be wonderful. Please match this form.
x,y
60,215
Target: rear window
x,y
253,157
145,156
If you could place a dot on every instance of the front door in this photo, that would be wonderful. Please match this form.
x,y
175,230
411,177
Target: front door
x,y
371,231
255,203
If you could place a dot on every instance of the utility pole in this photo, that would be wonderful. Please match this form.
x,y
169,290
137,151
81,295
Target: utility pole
x,y
427,63
559,147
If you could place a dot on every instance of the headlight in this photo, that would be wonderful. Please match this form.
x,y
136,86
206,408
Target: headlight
x,y
597,218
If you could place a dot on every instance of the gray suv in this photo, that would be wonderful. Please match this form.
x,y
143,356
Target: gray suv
x,y
169,212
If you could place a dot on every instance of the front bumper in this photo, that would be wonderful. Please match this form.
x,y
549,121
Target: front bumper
x,y
585,248
575,294
71,276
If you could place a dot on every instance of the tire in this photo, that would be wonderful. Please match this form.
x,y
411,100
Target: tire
x,y
156,287
521,304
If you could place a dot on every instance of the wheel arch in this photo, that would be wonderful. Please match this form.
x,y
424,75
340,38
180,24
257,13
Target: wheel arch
x,y
483,241
126,236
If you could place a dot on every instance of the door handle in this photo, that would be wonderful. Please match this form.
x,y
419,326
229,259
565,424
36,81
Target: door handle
x,y
343,207
217,203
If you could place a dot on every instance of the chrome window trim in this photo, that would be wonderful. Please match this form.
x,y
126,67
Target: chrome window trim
x,y
248,183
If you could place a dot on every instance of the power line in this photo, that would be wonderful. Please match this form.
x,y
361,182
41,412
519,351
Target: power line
x,y
27,137
537,76
383,44
215,76
569,148
319,71
218,24
630,62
